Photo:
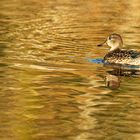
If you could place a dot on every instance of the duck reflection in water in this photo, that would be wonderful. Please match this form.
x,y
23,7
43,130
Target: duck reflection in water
x,y
113,77
112,81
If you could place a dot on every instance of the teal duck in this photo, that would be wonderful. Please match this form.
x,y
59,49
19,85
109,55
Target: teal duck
x,y
116,55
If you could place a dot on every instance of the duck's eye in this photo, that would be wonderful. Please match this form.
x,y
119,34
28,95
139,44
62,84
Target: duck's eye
x,y
109,37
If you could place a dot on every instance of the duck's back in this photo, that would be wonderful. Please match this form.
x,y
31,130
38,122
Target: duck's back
x,y
129,57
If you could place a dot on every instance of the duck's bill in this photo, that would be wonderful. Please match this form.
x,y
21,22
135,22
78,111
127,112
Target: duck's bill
x,y
101,44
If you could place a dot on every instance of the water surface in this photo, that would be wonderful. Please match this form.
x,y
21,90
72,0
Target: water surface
x,y
48,88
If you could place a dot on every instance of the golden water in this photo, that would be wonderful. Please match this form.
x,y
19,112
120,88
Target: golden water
x,y
48,88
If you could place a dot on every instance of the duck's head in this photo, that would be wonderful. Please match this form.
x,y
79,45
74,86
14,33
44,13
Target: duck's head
x,y
114,41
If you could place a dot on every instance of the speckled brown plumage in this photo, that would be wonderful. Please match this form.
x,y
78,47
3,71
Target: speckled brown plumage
x,y
118,56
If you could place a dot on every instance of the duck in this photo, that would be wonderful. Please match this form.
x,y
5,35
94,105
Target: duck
x,y
117,55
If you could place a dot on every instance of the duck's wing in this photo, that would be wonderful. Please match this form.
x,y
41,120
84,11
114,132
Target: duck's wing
x,y
133,54
123,54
